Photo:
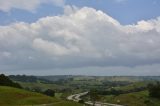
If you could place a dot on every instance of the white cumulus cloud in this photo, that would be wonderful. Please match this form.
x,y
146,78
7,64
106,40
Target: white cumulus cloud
x,y
82,38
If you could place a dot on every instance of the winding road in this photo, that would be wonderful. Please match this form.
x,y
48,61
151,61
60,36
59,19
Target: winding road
x,y
77,98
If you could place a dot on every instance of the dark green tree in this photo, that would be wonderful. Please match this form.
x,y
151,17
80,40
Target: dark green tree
x,y
49,92
5,81
154,90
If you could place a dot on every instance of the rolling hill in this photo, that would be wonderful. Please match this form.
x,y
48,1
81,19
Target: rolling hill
x,y
15,96
18,97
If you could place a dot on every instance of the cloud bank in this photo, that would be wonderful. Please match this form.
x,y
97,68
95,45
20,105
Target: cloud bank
x,y
80,38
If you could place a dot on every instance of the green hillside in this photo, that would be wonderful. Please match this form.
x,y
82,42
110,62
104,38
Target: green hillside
x,y
14,96
133,99
132,86
17,97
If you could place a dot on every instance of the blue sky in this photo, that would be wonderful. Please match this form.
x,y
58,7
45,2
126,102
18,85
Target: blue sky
x,y
80,37
125,11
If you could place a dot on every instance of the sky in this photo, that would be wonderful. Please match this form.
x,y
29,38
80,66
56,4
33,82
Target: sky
x,y
80,37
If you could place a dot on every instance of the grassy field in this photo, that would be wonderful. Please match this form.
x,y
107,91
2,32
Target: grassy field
x,y
41,85
17,97
133,99
132,86
67,103
14,96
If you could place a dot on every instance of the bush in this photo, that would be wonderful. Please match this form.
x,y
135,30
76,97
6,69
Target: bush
x,y
154,90
49,92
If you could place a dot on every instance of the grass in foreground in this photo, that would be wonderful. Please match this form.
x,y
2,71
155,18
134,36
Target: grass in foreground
x,y
13,96
133,99
18,97
67,103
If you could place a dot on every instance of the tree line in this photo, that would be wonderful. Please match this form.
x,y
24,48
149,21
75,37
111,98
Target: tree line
x,y
5,81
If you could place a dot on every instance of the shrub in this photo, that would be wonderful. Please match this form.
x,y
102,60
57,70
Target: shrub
x,y
154,90
49,92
